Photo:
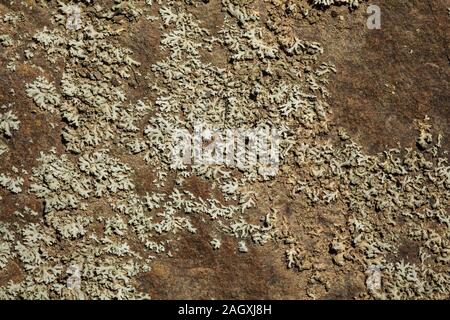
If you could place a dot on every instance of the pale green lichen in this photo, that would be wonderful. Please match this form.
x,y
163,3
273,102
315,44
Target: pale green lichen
x,y
99,231
43,94
8,123
6,40
327,3
12,184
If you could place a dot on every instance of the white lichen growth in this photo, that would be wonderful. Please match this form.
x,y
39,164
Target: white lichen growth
x,y
43,94
12,184
327,3
6,243
6,40
3,147
8,123
216,243
101,225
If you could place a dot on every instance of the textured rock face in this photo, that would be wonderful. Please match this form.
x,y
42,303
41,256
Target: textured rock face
x,y
93,205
